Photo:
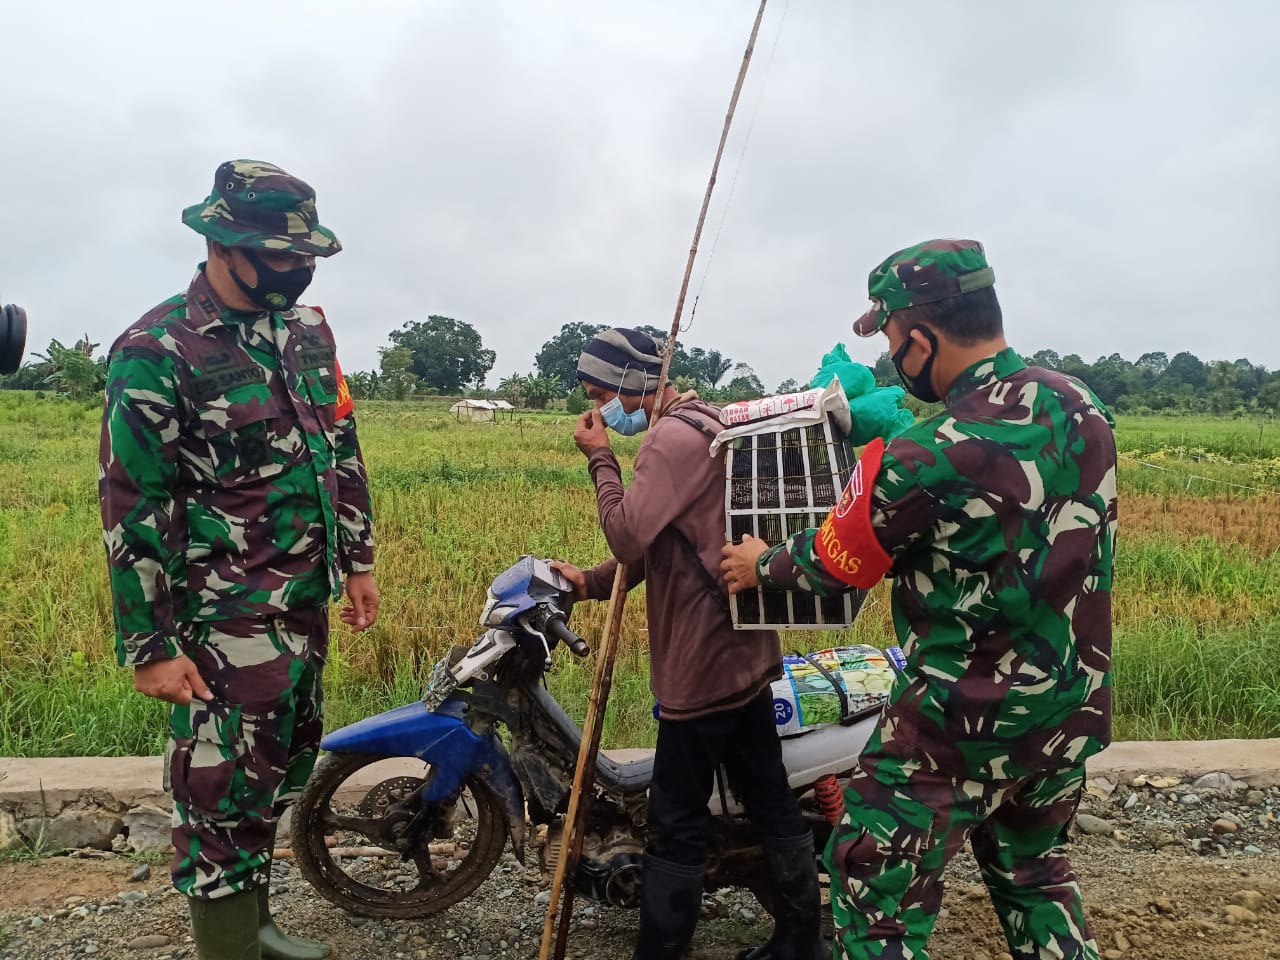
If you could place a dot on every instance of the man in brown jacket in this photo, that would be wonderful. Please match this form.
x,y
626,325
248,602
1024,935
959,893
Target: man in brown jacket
x,y
711,682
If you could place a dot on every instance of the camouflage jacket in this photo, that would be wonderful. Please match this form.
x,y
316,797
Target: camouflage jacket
x,y
996,519
230,479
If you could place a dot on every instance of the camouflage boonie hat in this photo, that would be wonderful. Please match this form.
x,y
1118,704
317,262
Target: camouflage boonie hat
x,y
256,204
929,271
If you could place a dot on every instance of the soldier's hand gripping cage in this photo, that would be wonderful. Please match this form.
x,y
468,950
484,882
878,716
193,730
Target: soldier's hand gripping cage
x,y
782,478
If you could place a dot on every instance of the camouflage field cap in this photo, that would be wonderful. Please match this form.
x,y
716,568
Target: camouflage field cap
x,y
255,204
929,271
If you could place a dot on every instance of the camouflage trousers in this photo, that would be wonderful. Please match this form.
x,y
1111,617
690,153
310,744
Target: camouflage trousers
x,y
902,825
236,763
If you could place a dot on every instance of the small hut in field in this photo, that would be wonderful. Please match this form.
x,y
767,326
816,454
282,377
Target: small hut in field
x,y
476,411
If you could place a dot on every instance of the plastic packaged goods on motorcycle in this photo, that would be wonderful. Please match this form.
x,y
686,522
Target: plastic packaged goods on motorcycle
x,y
13,337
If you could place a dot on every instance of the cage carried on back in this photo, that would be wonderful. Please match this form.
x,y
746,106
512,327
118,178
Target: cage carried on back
x,y
787,462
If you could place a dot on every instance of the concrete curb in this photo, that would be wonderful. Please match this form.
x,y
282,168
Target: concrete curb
x,y
30,786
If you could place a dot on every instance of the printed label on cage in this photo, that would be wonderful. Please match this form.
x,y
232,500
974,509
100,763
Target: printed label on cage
x,y
763,408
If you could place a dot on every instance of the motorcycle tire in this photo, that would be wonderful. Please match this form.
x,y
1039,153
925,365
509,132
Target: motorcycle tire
x,y
342,830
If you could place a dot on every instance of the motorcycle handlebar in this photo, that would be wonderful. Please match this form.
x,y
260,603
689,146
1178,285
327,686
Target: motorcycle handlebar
x,y
557,628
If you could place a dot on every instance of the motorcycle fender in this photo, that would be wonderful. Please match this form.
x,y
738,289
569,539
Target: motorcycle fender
x,y
499,775
439,737
442,739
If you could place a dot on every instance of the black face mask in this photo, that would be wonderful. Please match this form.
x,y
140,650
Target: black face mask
x,y
921,385
276,289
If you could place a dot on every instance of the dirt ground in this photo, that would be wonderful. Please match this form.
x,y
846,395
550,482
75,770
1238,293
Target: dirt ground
x,y
1172,868
1166,904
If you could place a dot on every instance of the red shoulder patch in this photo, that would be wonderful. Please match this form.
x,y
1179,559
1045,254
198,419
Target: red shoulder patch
x,y
846,545
346,403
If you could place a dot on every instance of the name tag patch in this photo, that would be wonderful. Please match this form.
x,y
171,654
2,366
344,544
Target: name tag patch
x,y
214,383
311,357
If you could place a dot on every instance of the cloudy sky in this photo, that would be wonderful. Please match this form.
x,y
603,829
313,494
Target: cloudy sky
x,y
523,164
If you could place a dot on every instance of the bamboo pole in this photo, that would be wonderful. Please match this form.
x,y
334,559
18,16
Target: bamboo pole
x,y
706,202
584,773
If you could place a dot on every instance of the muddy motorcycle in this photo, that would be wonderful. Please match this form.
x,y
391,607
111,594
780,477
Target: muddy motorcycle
x,y
410,810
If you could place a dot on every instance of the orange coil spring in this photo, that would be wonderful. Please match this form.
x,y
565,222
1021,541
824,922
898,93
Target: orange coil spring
x,y
830,801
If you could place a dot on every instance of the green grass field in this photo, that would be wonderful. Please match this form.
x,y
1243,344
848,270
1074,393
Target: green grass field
x,y
1197,587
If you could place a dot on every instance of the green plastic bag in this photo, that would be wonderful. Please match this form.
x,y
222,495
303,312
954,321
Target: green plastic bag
x,y
855,378
878,413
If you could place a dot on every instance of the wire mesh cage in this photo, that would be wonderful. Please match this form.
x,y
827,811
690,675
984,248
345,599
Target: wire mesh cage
x,y
779,482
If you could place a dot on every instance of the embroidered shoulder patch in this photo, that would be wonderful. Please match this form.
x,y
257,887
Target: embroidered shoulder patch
x,y
346,403
846,545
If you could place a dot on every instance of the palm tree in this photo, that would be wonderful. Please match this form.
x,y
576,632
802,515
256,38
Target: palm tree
x,y
715,366
72,370
513,388
1223,394
541,390
363,384
708,367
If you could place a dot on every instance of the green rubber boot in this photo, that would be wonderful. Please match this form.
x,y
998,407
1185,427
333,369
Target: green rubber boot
x,y
278,945
226,928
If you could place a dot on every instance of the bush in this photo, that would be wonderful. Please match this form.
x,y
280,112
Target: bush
x,y
577,402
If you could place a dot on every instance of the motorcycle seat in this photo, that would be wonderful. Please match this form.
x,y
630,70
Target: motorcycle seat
x,y
631,776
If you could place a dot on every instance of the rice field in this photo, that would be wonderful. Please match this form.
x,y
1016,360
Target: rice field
x,y
1197,601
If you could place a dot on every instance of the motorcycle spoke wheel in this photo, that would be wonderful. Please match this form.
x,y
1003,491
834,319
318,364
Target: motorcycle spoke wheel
x,y
349,837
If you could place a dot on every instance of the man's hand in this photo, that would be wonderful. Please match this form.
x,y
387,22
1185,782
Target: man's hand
x,y
739,563
362,591
589,433
174,681
574,576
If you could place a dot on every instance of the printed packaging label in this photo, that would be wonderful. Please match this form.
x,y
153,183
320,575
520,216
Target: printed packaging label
x,y
804,699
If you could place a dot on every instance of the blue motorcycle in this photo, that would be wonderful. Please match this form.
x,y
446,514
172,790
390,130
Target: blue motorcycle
x,y
410,810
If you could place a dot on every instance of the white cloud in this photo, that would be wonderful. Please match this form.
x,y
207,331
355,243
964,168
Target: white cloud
x,y
520,166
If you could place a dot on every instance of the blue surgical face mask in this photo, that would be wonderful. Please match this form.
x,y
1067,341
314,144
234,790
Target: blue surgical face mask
x,y
621,422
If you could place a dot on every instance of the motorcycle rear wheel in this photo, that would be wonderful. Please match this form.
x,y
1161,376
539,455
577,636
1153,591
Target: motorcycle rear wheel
x,y
344,826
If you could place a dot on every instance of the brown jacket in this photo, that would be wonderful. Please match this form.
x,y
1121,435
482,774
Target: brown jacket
x,y
698,663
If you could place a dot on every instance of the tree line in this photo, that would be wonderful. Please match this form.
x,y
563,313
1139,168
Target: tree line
x,y
447,356
444,356
1157,383
441,356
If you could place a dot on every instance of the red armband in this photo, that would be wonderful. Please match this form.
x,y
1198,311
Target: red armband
x,y
846,544
346,403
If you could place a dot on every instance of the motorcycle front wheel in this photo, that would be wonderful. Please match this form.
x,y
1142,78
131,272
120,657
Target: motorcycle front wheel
x,y
361,839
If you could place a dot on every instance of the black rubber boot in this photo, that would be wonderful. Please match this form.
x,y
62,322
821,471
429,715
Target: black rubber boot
x,y
797,903
278,945
670,900
226,928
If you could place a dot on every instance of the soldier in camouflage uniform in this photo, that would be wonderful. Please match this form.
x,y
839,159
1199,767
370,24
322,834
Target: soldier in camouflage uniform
x,y
234,505
996,519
